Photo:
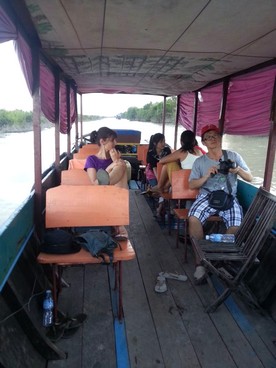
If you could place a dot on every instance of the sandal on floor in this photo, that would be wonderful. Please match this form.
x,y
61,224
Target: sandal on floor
x,y
55,332
120,237
73,325
66,328
173,276
161,285
200,275
103,177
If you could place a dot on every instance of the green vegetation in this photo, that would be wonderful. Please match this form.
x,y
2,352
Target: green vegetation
x,y
91,117
152,112
19,121
22,121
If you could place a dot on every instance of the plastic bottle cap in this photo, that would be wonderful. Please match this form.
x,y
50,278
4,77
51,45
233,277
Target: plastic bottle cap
x,y
207,237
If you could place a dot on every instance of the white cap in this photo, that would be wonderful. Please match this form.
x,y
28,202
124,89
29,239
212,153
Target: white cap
x,y
207,237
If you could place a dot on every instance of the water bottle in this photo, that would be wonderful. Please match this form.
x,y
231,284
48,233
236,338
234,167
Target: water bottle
x,y
221,238
48,306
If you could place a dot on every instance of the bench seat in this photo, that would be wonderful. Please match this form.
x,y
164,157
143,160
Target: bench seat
x,y
123,253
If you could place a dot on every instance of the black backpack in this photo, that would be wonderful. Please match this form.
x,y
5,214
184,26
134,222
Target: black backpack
x,y
58,241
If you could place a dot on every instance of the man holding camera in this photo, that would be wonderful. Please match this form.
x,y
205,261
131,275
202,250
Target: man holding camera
x,y
216,170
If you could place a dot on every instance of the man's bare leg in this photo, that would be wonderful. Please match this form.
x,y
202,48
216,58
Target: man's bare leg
x,y
196,231
232,230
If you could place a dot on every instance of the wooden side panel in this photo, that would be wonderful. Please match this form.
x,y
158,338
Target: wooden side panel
x,y
76,163
14,235
180,185
81,155
91,149
142,153
69,205
75,177
246,193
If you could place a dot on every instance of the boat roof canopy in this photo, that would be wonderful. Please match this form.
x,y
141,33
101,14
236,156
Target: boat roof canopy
x,y
163,47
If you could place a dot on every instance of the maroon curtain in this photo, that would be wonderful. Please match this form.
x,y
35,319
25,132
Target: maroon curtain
x,y
247,109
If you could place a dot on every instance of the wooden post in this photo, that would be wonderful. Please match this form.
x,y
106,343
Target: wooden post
x,y
164,114
81,120
77,120
57,121
223,105
37,141
271,147
176,122
68,117
195,113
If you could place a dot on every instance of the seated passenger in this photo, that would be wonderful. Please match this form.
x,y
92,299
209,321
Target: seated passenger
x,y
206,177
106,167
157,150
183,158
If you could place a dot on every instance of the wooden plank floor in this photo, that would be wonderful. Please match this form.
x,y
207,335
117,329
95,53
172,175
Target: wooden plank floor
x,y
162,330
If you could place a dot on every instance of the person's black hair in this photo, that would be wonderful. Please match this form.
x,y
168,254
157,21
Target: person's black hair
x,y
188,141
154,139
102,133
93,136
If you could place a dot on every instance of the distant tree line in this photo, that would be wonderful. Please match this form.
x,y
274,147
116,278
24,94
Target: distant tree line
x,y
18,120
152,112
21,121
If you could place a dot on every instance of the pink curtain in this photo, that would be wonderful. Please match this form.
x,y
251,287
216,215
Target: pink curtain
x,y
209,105
248,104
24,55
47,81
250,114
186,110
8,30
47,85
63,108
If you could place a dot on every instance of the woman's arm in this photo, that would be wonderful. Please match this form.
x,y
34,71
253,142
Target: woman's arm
x,y
175,156
92,174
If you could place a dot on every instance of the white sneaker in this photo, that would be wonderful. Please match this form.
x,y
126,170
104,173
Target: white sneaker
x,y
161,285
199,273
173,276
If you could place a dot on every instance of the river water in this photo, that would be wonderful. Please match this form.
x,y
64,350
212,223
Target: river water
x,y
17,164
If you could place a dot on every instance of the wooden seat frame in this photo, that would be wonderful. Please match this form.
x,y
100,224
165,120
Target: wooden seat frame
x,y
236,259
75,177
86,206
181,191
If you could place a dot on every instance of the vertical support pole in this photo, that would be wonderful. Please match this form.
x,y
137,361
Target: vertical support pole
x,y
195,113
37,141
164,114
223,105
77,120
81,120
271,147
68,118
57,121
176,122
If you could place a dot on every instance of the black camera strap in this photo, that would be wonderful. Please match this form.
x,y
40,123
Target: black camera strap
x,y
225,156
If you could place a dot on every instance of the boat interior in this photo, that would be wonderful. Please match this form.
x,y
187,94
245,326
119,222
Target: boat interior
x,y
218,58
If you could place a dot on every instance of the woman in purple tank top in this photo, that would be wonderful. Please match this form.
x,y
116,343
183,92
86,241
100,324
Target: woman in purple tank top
x,y
106,167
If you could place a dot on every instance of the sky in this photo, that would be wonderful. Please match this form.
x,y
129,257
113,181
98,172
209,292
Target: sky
x,y
15,94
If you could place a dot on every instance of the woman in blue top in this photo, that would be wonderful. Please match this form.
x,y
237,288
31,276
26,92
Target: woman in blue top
x,y
106,167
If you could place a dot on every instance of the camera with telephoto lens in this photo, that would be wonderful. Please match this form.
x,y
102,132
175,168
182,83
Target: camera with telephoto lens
x,y
224,166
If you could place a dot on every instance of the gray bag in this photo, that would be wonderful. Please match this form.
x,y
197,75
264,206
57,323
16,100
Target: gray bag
x,y
98,243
